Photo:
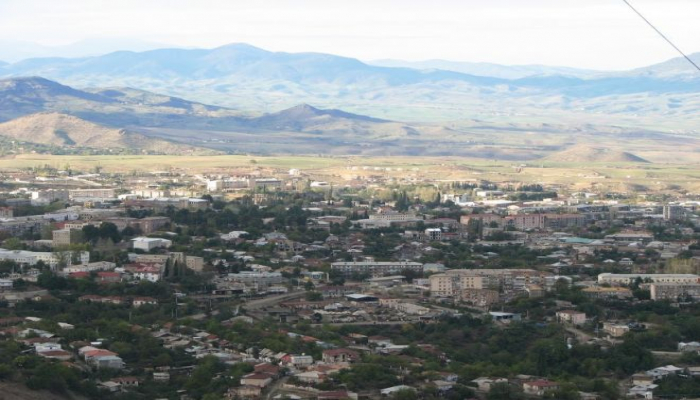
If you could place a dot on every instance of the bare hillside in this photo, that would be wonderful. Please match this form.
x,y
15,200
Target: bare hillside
x,y
61,130
590,154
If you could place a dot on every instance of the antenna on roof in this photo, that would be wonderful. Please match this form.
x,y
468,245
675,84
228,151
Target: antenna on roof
x,y
661,34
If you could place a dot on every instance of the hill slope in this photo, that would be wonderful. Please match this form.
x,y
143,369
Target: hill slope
x,y
26,95
304,116
60,130
590,154
112,106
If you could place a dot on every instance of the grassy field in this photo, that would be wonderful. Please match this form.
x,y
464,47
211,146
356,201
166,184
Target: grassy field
x,y
639,177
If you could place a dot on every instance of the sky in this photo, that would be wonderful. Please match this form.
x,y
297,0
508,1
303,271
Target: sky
x,y
595,34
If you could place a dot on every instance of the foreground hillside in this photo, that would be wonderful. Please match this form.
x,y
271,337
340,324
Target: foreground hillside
x,y
13,391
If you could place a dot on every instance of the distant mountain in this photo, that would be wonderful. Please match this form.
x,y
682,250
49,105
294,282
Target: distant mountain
x,y
591,154
239,61
60,130
15,50
674,69
488,69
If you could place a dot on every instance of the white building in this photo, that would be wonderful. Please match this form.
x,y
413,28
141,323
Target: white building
x,y
148,244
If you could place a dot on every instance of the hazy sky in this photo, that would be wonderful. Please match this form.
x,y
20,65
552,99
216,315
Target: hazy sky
x,y
601,34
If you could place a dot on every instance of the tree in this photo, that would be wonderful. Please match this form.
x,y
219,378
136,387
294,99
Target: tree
x,y
405,394
13,243
504,391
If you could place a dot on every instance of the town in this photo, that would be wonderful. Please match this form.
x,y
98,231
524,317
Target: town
x,y
285,284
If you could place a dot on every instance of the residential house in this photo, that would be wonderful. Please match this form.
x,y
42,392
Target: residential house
x,y
256,379
332,356
539,387
485,384
571,317
244,392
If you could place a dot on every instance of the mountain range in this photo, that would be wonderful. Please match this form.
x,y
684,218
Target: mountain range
x,y
254,80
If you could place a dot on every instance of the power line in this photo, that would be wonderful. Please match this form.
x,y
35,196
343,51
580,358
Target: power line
x,y
662,35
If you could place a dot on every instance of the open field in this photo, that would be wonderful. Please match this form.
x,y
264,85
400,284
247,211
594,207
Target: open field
x,y
624,177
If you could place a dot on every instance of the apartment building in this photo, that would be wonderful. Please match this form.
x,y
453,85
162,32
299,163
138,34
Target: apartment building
x,y
377,268
66,237
453,282
391,215
675,291
145,225
101,193
160,204
19,226
485,219
673,212
480,297
227,184
626,279
250,278
43,197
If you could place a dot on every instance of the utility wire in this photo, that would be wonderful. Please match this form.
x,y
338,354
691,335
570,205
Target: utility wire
x,y
662,35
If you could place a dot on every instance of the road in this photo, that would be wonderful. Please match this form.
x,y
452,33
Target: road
x,y
275,387
581,336
271,300
362,323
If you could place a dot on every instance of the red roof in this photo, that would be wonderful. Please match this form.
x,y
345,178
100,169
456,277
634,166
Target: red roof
x,y
257,375
98,353
108,274
267,368
337,352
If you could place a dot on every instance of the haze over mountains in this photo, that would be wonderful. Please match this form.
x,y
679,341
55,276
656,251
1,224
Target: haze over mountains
x,y
262,102
489,69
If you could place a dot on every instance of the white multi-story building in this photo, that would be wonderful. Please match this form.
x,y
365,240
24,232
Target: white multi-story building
x,y
433,234
148,244
50,259
626,279
43,197
227,184
251,278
